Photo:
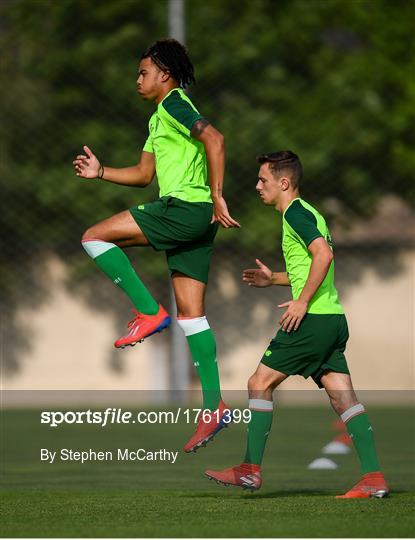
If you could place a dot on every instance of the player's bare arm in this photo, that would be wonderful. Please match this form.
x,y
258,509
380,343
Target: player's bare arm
x,y
214,144
296,309
280,278
140,175
264,276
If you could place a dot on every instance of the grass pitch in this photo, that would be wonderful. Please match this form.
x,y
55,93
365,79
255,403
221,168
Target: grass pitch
x,y
163,500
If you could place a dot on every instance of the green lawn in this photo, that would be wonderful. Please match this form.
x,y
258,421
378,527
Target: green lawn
x,y
150,499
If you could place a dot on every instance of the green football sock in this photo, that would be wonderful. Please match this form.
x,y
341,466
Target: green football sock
x,y
361,433
115,264
203,350
258,430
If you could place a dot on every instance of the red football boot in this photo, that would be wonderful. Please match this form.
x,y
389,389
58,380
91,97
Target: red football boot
x,y
208,425
246,476
143,326
371,485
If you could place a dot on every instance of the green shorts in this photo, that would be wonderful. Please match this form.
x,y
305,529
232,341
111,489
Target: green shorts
x,y
317,346
183,230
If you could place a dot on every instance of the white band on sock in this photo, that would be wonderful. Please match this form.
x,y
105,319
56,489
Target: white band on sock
x,y
260,405
353,411
193,326
96,247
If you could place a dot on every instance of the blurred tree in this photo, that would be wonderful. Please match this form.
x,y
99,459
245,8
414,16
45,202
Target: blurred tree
x,y
329,79
69,70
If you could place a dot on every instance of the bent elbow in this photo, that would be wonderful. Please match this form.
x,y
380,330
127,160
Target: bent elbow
x,y
143,176
147,180
329,257
219,141
213,140
325,257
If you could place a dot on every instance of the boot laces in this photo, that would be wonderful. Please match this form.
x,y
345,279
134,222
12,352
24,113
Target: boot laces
x,y
137,317
363,485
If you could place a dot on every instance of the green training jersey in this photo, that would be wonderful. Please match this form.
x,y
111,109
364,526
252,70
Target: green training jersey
x,y
301,224
181,165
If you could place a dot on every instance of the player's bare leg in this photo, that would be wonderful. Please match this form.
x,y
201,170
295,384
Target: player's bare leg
x,y
190,296
264,381
120,229
343,399
247,475
103,242
190,299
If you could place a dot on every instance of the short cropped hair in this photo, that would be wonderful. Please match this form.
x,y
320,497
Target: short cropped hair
x,y
282,162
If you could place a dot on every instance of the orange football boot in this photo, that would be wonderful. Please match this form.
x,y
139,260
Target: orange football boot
x,y
207,428
246,476
143,326
371,485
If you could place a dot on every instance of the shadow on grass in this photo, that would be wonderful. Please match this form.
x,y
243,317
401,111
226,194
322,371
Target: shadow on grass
x,y
245,495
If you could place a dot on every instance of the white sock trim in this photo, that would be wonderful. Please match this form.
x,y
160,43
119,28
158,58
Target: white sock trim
x,y
261,405
193,326
94,248
353,411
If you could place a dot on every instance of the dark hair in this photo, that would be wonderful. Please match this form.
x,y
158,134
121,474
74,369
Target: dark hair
x,y
284,161
170,55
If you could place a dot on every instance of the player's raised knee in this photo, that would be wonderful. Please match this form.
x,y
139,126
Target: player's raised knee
x,y
88,235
